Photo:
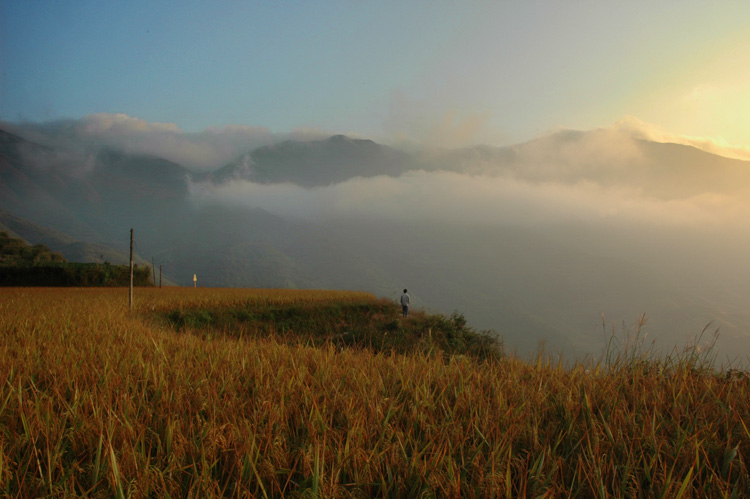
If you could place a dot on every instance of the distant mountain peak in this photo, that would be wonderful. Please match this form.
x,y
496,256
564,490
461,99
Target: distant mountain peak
x,y
315,163
344,139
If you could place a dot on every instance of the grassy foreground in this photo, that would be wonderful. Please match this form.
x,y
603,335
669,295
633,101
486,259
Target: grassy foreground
x,y
200,393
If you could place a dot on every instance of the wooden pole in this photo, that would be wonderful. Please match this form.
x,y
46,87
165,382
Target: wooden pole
x,y
160,276
130,301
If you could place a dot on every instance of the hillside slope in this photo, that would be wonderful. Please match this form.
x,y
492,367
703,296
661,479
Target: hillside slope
x,y
72,249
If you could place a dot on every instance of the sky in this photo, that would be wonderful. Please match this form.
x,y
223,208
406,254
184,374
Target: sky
x,y
203,82
441,73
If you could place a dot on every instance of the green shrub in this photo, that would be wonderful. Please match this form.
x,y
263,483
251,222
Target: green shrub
x,y
375,325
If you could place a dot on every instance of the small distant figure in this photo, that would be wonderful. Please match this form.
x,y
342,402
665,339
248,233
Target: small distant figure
x,y
405,303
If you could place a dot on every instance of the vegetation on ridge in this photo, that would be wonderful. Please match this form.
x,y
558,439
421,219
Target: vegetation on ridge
x,y
97,402
15,252
24,265
360,321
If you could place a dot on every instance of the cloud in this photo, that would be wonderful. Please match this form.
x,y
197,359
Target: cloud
x,y
454,130
412,122
451,198
103,124
585,176
647,131
600,177
206,150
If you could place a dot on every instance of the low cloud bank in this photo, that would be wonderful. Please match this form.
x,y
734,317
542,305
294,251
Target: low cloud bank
x,y
459,199
205,150
609,175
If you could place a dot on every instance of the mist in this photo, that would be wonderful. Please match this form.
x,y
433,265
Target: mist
x,y
205,150
566,239
609,178
480,200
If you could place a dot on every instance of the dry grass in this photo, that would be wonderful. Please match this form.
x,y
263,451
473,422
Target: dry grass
x,y
96,402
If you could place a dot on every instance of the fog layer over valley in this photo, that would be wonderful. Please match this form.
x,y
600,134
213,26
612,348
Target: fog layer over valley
x,y
542,241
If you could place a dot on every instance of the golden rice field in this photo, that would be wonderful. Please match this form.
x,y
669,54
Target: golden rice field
x,y
98,402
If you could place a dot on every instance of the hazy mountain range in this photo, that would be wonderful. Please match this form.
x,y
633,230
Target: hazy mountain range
x,y
537,241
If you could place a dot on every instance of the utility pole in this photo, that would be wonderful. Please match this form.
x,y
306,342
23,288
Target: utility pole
x,y
159,276
130,301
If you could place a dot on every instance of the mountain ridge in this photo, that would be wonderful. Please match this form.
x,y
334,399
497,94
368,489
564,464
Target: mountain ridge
x,y
314,163
530,283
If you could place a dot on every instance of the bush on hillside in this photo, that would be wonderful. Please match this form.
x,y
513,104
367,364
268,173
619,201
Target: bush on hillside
x,y
374,325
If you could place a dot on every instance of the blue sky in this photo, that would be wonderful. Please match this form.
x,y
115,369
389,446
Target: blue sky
x,y
447,73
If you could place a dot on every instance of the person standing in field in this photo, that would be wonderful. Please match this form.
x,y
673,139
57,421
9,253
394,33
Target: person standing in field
x,y
405,303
